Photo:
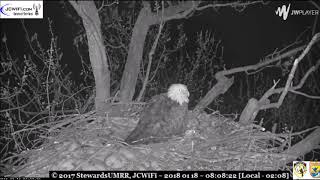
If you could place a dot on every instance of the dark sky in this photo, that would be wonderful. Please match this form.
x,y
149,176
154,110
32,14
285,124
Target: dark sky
x,y
256,32
246,36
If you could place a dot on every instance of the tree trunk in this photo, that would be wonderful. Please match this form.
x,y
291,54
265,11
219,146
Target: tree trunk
x,y
132,67
91,22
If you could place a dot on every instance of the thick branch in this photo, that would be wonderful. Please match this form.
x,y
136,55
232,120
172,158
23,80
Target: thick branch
x,y
176,12
221,87
224,83
304,146
186,8
265,62
264,102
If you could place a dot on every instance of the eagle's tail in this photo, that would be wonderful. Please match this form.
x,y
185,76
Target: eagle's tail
x,y
132,137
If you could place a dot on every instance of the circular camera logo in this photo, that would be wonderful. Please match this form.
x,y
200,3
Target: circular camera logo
x,y
299,169
2,10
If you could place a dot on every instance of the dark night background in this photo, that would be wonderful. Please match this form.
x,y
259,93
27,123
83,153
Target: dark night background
x,y
247,36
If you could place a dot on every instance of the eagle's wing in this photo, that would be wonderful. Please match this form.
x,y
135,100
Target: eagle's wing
x,y
148,120
160,120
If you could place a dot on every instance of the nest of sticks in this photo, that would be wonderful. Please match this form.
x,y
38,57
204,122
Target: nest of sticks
x,y
88,142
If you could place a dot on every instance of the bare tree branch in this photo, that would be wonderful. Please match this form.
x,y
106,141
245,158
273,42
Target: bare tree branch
x,y
155,43
184,9
291,75
305,94
264,63
232,4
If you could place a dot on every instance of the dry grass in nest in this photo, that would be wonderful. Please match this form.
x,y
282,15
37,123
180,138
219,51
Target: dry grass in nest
x,y
87,142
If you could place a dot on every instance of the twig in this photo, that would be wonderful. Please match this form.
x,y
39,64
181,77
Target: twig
x,y
107,5
29,41
72,96
305,94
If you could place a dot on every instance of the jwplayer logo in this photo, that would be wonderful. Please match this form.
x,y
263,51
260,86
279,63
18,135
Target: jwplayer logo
x,y
283,11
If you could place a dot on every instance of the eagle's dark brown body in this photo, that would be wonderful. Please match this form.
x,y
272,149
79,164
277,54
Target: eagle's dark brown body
x,y
162,119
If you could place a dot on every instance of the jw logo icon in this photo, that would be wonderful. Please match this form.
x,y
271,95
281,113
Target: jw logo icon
x,y
283,11
314,169
299,169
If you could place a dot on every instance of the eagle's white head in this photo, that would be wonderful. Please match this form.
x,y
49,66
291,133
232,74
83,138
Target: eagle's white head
x,y
179,93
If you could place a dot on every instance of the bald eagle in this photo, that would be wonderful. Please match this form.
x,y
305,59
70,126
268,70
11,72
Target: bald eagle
x,y
163,117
